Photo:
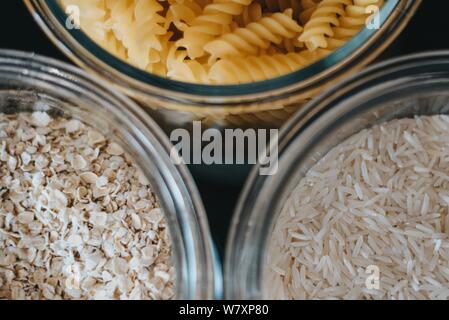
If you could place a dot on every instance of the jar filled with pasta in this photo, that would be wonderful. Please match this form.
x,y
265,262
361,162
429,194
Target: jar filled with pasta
x,y
234,63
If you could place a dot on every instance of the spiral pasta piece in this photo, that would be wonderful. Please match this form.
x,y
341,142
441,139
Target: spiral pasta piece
x,y
213,22
255,36
291,45
257,68
138,25
115,46
355,18
320,24
185,70
182,14
250,13
160,68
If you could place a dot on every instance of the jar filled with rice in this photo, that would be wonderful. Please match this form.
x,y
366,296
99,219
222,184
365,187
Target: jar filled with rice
x,y
359,206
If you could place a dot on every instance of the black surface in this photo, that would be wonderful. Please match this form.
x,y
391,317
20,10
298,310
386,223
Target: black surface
x,y
427,31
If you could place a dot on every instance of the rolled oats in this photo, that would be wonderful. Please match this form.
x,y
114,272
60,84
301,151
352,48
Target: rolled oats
x,y
78,220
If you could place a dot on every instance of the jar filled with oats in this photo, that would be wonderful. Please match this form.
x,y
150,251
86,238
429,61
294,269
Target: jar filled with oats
x,y
91,205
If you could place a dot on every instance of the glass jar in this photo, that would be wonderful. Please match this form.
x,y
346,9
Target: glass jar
x,y
29,83
399,88
262,104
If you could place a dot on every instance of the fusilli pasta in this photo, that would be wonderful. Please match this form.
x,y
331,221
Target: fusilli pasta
x,y
258,68
213,22
185,70
250,13
355,18
222,41
256,35
182,14
320,24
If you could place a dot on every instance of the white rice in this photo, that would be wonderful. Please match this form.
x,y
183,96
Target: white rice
x,y
381,199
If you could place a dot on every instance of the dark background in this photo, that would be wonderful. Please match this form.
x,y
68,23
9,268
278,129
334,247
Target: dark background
x,y
429,30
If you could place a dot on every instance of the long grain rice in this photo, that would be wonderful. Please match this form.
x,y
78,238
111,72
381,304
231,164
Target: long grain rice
x,y
378,199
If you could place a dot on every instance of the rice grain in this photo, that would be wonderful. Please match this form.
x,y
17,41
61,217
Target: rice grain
x,y
378,199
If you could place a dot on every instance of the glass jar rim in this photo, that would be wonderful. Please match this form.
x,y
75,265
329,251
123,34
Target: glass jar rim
x,y
52,19
184,202
252,221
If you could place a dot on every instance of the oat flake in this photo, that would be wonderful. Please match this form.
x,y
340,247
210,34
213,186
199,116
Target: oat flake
x,y
75,219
